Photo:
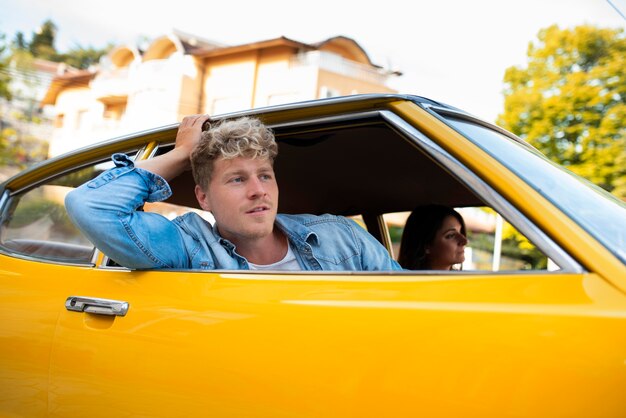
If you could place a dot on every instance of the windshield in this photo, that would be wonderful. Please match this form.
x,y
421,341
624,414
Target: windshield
x,y
597,211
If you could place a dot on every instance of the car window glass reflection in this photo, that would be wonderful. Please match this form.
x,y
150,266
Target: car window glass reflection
x,y
36,223
493,243
593,208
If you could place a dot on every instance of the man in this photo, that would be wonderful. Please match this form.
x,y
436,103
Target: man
x,y
232,165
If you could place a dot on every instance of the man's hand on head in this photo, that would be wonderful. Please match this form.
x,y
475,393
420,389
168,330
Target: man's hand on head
x,y
175,162
190,131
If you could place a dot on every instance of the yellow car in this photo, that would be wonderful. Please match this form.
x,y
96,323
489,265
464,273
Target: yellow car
x,y
82,336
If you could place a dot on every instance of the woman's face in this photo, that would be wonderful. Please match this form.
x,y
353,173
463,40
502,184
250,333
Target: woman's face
x,y
448,247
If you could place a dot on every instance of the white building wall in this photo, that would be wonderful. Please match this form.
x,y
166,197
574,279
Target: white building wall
x,y
80,112
281,82
155,95
229,87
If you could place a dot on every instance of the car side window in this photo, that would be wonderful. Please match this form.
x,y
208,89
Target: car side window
x,y
493,243
35,222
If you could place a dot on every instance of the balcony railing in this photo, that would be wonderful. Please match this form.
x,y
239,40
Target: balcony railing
x,y
158,73
336,64
112,82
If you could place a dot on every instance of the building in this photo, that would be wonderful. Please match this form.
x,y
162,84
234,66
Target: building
x,y
179,74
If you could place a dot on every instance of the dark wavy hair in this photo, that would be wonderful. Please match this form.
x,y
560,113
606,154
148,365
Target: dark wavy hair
x,y
420,230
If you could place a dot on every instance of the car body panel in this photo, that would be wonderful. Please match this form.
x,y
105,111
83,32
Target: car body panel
x,y
256,338
306,344
252,341
29,316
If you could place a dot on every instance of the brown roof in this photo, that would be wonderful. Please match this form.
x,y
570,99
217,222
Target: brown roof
x,y
192,42
80,78
227,50
214,50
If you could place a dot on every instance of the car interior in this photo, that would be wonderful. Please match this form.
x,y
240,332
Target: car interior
x,y
366,169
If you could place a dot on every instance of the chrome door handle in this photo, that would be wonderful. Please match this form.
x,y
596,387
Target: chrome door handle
x,y
96,306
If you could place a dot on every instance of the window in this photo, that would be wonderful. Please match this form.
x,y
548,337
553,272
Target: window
x,y
593,208
81,119
35,222
326,92
58,120
228,104
493,243
276,99
114,111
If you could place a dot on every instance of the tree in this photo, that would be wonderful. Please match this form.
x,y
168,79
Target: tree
x,y
83,57
18,147
570,102
42,46
19,42
42,43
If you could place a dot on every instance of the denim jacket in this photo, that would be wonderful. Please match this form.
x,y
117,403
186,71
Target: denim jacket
x,y
108,210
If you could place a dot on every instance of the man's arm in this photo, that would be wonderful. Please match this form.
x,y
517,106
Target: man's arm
x,y
108,211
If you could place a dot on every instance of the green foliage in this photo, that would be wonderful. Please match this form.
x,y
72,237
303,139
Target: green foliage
x,y
18,149
395,233
83,57
42,46
21,151
77,178
5,79
42,43
30,210
514,246
33,207
22,62
19,42
570,102
517,246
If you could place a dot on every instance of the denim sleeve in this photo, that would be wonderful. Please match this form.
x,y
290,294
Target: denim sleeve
x,y
108,210
374,256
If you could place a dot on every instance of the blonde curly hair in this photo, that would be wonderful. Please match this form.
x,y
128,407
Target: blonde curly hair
x,y
244,137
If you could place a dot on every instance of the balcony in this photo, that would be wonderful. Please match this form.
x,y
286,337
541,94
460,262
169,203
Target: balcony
x,y
111,83
156,74
339,65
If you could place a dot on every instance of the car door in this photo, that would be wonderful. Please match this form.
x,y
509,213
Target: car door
x,y
252,344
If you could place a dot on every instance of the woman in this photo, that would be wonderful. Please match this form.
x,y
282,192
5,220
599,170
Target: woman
x,y
434,238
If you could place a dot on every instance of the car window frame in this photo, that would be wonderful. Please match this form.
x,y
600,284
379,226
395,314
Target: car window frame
x,y
592,227
7,195
567,264
408,132
490,196
5,203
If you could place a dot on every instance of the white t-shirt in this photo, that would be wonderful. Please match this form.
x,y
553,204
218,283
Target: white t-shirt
x,y
288,263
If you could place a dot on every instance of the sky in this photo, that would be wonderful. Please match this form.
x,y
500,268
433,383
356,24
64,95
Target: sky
x,y
452,51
